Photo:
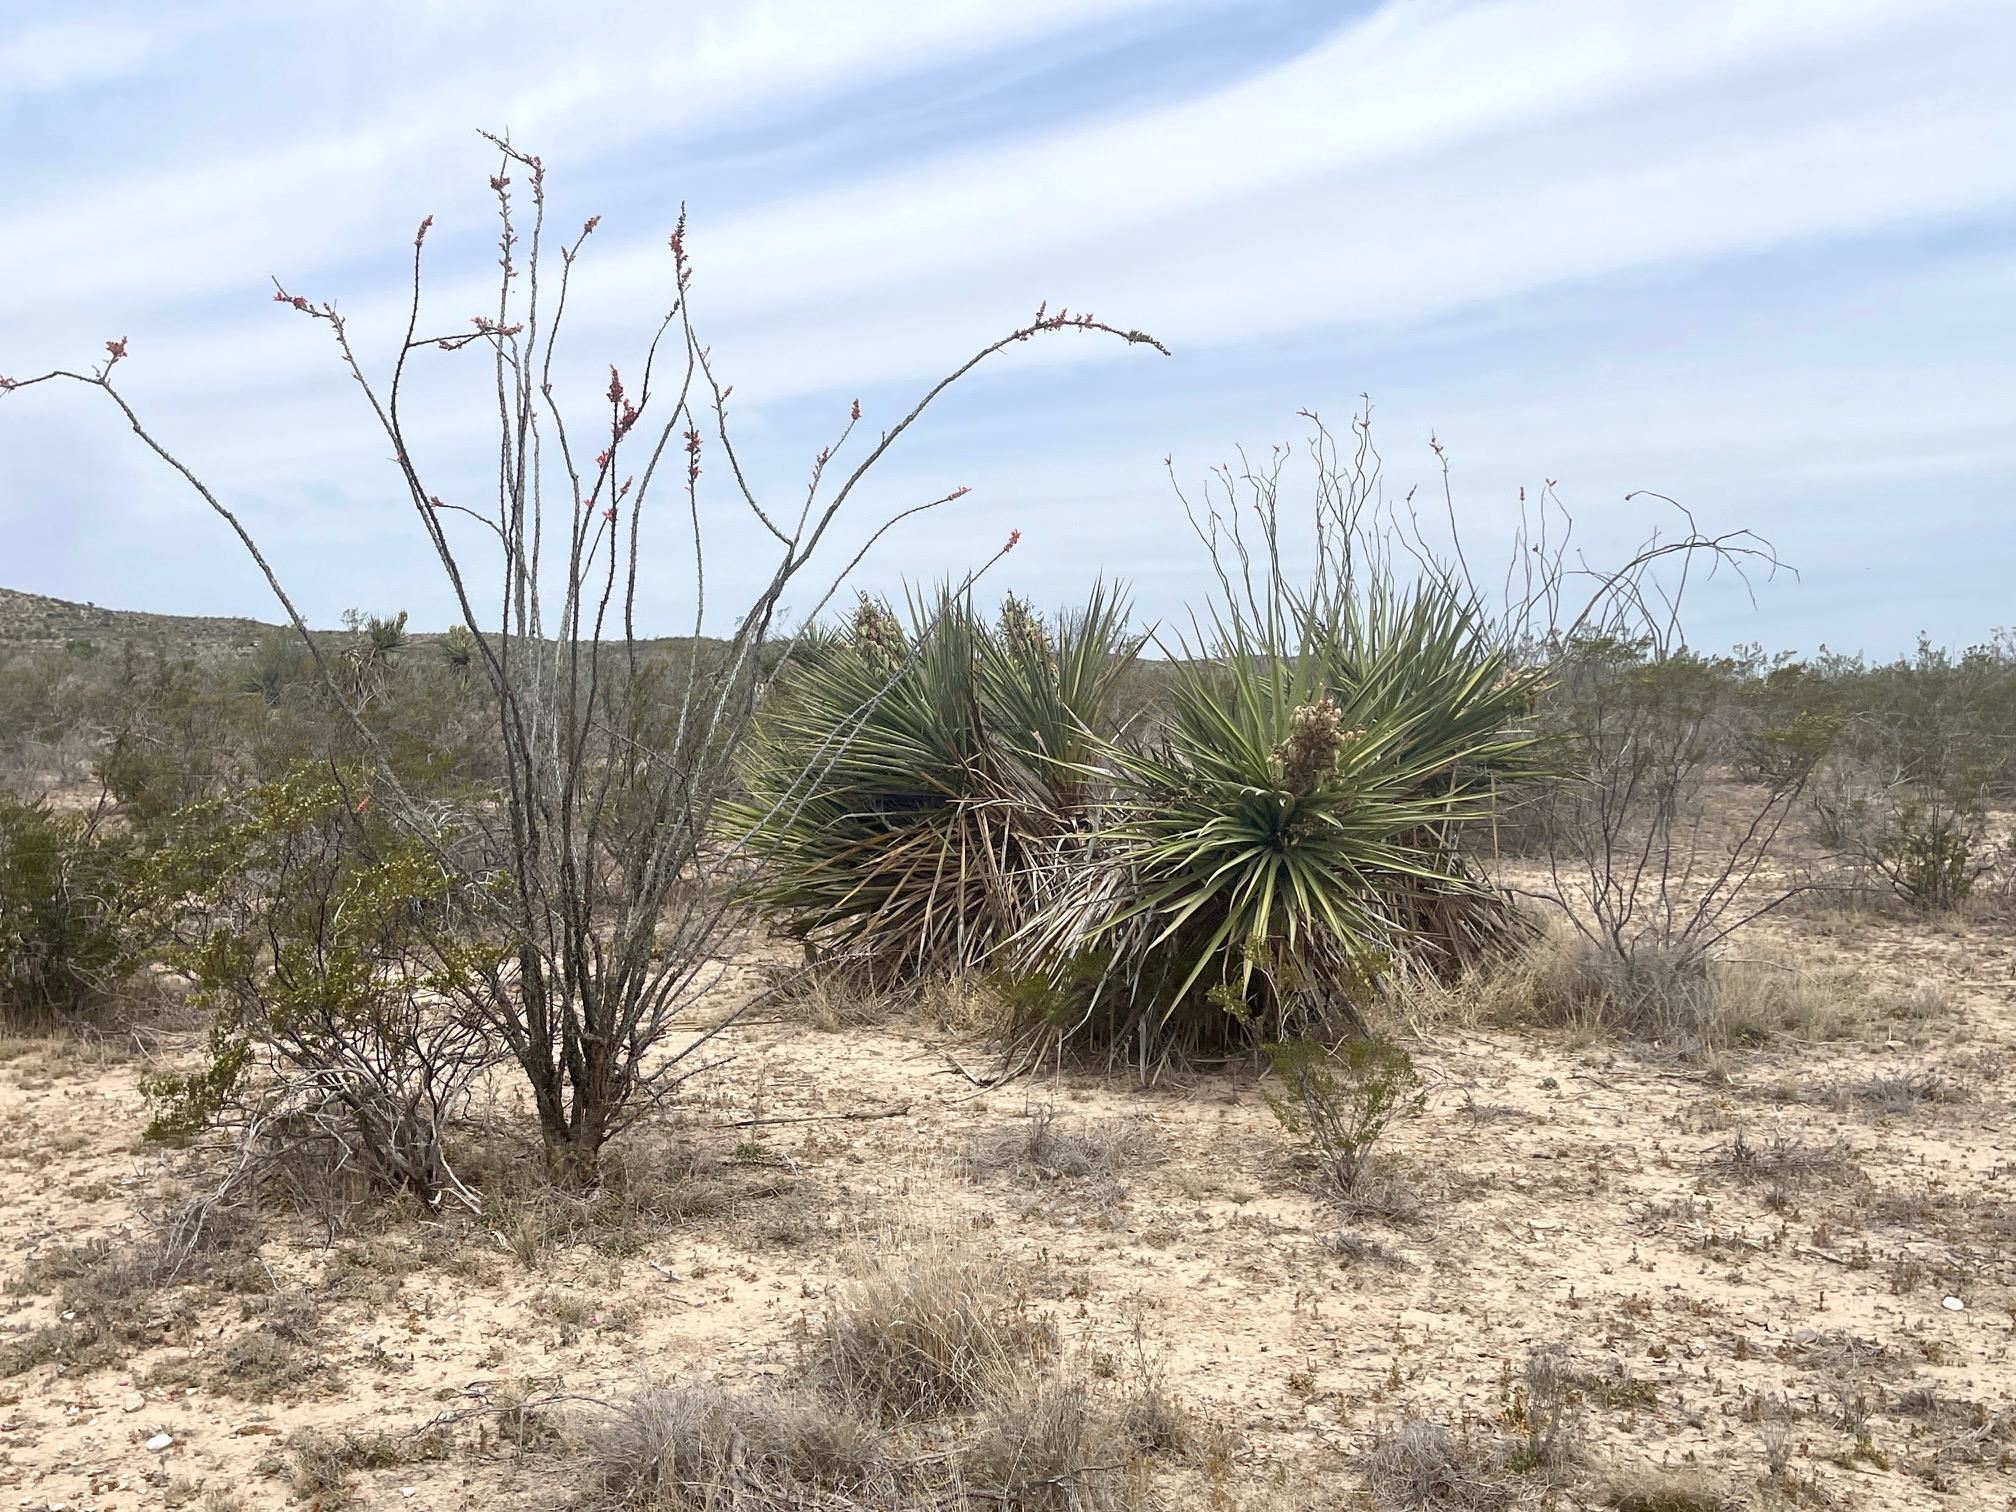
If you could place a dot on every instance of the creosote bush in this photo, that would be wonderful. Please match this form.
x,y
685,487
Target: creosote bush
x,y
327,946
1342,1103
65,889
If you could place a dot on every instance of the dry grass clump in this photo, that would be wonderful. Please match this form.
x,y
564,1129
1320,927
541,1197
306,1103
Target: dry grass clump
x,y
1784,1160
1906,1092
1949,1434
1150,1419
846,994
1048,1147
321,1464
276,1359
1681,1002
835,997
916,1337
1036,1441
1044,1444
1421,1464
930,1383
649,1184
697,1445
116,1300
1665,1491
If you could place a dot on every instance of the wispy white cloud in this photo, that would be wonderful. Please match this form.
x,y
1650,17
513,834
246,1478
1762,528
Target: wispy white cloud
x,y
48,57
1386,206
307,197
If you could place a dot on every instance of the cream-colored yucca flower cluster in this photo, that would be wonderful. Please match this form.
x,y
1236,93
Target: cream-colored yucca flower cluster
x,y
876,630
1316,742
1023,631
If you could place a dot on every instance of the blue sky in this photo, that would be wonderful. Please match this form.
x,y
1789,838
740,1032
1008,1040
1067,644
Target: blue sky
x,y
1754,254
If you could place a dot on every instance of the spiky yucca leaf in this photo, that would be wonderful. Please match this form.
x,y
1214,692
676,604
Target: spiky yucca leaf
x,y
945,775
1294,826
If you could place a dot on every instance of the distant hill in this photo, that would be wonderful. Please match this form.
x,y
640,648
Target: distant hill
x,y
29,619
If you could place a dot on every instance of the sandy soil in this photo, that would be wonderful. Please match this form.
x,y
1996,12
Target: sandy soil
x,y
1570,1194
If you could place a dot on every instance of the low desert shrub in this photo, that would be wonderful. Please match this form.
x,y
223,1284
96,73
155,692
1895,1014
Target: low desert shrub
x,y
1926,743
1547,1407
65,887
1342,1102
1651,858
328,948
1931,852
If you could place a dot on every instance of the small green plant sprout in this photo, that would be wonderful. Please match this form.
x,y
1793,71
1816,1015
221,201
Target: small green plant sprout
x,y
1342,1101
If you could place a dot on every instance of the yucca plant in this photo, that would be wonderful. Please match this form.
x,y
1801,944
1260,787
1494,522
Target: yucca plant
x,y
950,763
1293,830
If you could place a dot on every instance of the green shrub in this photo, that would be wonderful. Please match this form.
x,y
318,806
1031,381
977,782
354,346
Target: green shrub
x,y
63,895
338,959
1342,1103
1931,854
